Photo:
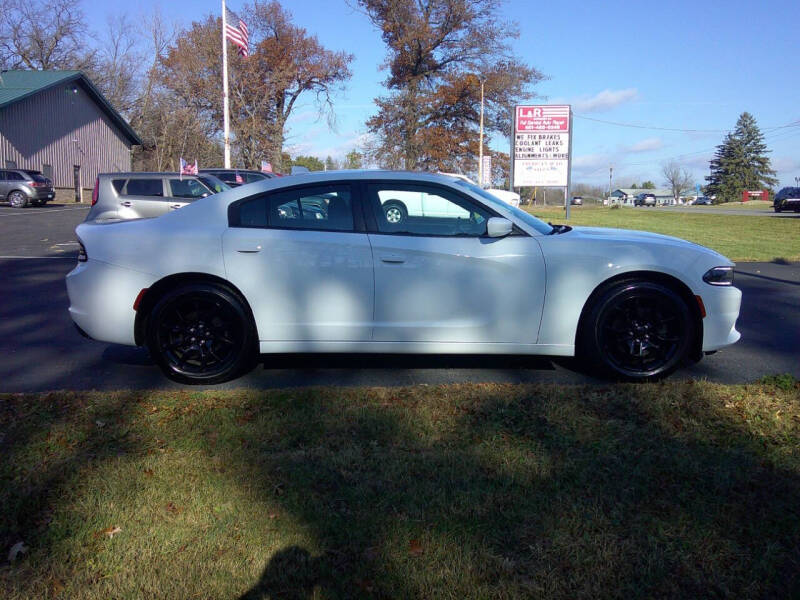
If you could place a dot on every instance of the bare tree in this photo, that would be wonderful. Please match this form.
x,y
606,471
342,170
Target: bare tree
x,y
39,34
679,180
117,67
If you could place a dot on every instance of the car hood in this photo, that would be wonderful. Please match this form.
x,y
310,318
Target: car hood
x,y
645,237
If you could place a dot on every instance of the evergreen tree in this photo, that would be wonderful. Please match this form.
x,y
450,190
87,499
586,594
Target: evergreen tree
x,y
740,162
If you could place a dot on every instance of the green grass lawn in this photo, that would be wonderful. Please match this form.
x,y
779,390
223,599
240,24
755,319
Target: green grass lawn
x,y
471,491
739,237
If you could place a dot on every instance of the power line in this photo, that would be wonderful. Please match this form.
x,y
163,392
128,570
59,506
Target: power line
x,y
656,128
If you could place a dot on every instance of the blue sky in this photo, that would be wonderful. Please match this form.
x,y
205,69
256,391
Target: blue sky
x,y
675,65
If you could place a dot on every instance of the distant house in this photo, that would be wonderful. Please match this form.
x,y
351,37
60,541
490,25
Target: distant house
x,y
627,195
59,123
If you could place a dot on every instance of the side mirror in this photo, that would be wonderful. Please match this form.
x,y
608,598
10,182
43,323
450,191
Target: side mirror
x,y
498,227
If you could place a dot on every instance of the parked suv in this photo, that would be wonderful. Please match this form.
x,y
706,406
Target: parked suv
x,y
237,177
141,195
787,199
21,187
644,200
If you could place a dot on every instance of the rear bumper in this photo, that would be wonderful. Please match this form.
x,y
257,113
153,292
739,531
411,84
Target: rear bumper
x,y
101,298
722,310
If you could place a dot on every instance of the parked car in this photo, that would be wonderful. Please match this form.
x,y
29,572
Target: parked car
x,y
140,195
702,200
23,187
644,199
787,198
209,287
237,177
576,201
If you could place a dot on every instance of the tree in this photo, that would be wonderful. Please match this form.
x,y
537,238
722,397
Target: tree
x,y
285,63
353,160
648,185
35,34
677,179
312,163
740,162
330,164
634,186
439,52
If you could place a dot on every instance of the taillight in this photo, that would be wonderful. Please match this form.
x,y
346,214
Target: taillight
x,y
36,183
94,191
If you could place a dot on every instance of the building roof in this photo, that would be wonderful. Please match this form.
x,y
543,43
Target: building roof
x,y
658,192
15,86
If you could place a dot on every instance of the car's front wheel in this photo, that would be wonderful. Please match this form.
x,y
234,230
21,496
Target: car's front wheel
x,y
17,199
637,330
201,334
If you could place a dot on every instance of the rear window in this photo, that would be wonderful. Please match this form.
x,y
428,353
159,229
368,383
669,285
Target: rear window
x,y
251,177
36,176
143,187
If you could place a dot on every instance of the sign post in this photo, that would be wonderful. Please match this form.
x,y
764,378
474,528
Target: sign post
x,y
486,171
542,147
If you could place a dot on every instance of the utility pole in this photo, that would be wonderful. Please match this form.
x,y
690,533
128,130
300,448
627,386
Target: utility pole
x,y
480,151
610,173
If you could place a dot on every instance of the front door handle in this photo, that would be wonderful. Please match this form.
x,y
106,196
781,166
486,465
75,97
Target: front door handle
x,y
249,249
393,258
175,206
126,204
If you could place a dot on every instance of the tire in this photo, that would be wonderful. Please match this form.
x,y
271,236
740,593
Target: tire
x,y
637,331
18,199
202,334
776,209
395,212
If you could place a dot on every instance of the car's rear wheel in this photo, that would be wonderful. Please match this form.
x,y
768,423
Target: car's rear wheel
x,y
201,334
17,199
637,330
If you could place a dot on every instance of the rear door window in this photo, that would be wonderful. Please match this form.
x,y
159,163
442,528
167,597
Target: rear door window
x,y
143,187
322,208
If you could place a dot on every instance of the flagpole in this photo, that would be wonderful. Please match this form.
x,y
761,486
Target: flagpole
x,y
227,139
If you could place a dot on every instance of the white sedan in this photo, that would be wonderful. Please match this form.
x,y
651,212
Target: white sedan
x,y
311,263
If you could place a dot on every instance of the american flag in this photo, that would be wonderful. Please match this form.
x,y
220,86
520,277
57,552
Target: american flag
x,y
187,168
236,31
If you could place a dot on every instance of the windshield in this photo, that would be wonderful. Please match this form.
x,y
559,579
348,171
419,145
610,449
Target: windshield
x,y
216,184
518,213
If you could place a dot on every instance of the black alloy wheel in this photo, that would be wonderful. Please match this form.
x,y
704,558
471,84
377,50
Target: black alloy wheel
x,y
201,334
639,330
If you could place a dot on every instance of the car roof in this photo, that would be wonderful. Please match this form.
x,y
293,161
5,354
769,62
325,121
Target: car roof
x,y
135,174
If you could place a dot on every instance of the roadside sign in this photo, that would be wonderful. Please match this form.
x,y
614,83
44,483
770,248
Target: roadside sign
x,y
542,145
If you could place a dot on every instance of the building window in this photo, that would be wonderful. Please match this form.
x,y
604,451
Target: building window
x,y
11,164
47,171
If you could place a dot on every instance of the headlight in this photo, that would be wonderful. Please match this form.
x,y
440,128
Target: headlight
x,y
719,276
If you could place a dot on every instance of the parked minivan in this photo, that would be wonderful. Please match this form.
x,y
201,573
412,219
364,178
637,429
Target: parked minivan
x,y
141,195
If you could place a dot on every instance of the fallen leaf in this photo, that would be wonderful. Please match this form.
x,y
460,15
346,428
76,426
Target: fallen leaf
x,y
172,508
56,586
16,549
111,531
415,548
100,423
148,472
273,515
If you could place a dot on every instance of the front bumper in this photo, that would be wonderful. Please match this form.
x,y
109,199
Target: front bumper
x,y
722,305
101,298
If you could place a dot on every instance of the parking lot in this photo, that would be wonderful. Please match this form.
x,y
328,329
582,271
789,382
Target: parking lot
x,y
42,351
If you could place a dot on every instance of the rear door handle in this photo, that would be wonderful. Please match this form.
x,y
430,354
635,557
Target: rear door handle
x,y
392,258
125,203
254,249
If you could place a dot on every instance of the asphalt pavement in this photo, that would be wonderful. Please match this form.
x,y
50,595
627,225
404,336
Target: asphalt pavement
x,y
41,350
747,212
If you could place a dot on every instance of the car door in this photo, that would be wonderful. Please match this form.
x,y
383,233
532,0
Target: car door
x,y
3,184
144,197
307,274
441,279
